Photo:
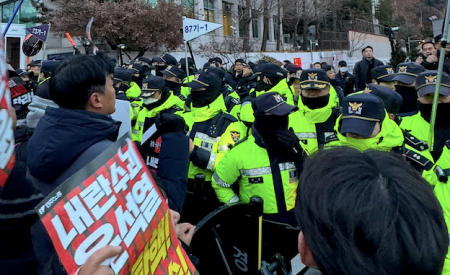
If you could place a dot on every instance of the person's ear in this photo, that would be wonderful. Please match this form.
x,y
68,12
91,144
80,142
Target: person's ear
x,y
391,116
305,253
95,101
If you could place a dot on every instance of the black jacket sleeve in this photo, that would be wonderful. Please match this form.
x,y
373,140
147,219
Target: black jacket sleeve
x,y
357,74
173,167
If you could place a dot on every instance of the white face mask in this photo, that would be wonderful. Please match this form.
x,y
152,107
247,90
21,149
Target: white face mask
x,y
343,69
150,100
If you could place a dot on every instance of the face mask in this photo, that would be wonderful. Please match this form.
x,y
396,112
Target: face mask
x,y
343,69
267,125
138,80
204,98
151,100
161,67
316,102
174,86
409,96
261,86
442,112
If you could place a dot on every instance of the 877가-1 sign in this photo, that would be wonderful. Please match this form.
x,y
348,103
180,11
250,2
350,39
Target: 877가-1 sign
x,y
114,201
193,28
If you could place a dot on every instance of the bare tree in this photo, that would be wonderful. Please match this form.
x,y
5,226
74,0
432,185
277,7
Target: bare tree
x,y
230,49
357,41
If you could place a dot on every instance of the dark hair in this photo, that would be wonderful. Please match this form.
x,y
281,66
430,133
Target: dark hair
x,y
78,77
370,213
368,47
318,63
342,63
427,42
327,68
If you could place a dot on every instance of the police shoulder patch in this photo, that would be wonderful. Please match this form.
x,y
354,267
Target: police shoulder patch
x,y
235,136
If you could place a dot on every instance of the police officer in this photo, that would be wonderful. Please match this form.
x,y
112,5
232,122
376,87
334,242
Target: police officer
x,y
364,124
232,101
391,99
35,67
47,69
383,75
174,76
318,111
154,99
136,81
266,164
406,75
269,77
162,62
121,81
419,127
211,128
294,73
246,83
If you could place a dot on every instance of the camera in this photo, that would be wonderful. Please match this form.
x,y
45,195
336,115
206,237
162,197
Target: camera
x,y
86,43
122,47
390,30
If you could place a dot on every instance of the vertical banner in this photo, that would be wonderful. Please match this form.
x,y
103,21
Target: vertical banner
x,y
114,201
6,122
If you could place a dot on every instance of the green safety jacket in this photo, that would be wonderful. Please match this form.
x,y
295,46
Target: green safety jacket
x,y
416,130
390,137
315,128
249,164
214,132
246,108
139,114
133,92
232,101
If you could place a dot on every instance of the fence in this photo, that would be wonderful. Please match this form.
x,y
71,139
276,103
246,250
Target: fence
x,y
333,41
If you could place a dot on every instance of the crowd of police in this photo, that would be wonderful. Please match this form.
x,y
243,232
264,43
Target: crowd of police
x,y
214,138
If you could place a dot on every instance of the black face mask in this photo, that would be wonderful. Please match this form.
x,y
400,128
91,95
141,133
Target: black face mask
x,y
161,67
138,80
409,96
316,102
442,112
204,98
174,86
267,125
121,88
261,86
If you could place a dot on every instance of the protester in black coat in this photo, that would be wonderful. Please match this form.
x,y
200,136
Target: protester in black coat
x,y
363,68
69,137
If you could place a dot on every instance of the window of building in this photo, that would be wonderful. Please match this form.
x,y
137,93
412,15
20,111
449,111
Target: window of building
x,y
208,6
227,22
241,12
26,15
276,28
255,23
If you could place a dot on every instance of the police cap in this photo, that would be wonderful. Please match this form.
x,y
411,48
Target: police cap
x,y
172,71
407,72
316,79
151,85
383,73
272,103
426,83
205,80
391,99
360,114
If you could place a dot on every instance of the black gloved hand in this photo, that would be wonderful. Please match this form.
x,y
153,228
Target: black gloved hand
x,y
288,138
169,123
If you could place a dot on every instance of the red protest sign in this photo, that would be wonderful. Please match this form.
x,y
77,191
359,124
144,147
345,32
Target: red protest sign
x,y
6,123
114,201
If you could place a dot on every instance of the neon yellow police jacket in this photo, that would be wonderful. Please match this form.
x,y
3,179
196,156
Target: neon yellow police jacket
x,y
304,123
139,114
249,165
282,88
207,134
133,92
